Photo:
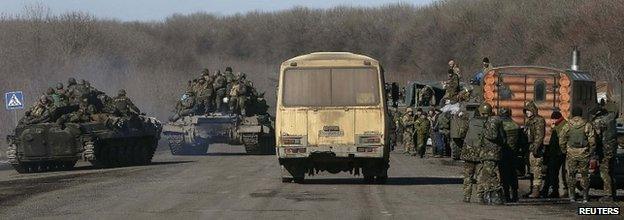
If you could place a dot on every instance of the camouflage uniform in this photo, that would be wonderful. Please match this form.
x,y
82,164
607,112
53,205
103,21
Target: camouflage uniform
x,y
509,152
452,85
399,127
220,87
425,96
459,127
124,106
535,128
578,136
470,154
408,131
83,114
488,181
238,97
41,111
186,106
423,126
605,125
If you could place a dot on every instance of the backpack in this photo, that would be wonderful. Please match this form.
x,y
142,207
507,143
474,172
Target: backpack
x,y
577,137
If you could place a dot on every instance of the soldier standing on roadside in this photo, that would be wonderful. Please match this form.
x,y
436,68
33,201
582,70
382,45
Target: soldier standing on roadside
x,y
423,126
606,138
459,127
578,137
471,152
534,129
509,177
488,181
408,130
555,158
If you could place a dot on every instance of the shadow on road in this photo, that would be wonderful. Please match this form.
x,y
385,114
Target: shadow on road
x,y
159,163
391,181
232,154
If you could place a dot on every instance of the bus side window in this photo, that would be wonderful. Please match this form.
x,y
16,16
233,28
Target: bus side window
x,y
540,90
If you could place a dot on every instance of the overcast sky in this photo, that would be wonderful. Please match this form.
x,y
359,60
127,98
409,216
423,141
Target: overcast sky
x,y
150,10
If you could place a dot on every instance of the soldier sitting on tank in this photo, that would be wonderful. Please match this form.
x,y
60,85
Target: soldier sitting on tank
x,y
204,93
83,114
41,111
58,98
238,96
220,87
185,107
124,106
229,75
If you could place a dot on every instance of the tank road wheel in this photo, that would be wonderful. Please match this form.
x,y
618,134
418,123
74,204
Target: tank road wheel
x,y
21,168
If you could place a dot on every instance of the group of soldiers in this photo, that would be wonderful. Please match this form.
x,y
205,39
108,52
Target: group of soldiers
x,y
496,150
79,103
492,153
220,92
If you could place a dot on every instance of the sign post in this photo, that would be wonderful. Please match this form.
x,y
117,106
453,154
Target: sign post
x,y
14,101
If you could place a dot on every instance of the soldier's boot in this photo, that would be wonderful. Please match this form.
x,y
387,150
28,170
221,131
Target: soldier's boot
x,y
572,195
586,194
496,198
514,195
534,194
554,193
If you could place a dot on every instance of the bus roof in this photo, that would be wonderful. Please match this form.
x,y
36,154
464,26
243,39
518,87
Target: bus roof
x,y
330,56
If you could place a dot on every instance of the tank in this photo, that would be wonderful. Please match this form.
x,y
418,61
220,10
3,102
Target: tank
x,y
51,146
192,135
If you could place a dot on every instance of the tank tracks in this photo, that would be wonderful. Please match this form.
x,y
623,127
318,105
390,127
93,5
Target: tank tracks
x,y
39,166
112,153
178,146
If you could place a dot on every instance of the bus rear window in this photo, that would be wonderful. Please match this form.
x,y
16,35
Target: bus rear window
x,y
331,87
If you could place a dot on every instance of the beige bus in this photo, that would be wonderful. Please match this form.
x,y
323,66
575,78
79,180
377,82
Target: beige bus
x,y
331,116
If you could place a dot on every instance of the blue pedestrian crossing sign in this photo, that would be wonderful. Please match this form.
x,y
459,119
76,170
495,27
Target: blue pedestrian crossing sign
x,y
14,100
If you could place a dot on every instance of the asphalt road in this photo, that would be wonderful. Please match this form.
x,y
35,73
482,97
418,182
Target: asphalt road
x,y
226,184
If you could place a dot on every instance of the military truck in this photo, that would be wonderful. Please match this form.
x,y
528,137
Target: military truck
x,y
192,135
332,116
51,146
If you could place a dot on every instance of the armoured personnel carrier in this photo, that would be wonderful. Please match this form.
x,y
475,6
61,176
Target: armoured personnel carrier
x,y
52,146
192,135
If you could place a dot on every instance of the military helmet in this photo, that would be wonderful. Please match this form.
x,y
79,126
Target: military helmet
x,y
59,86
485,109
71,81
50,91
504,112
205,72
530,106
122,92
228,69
